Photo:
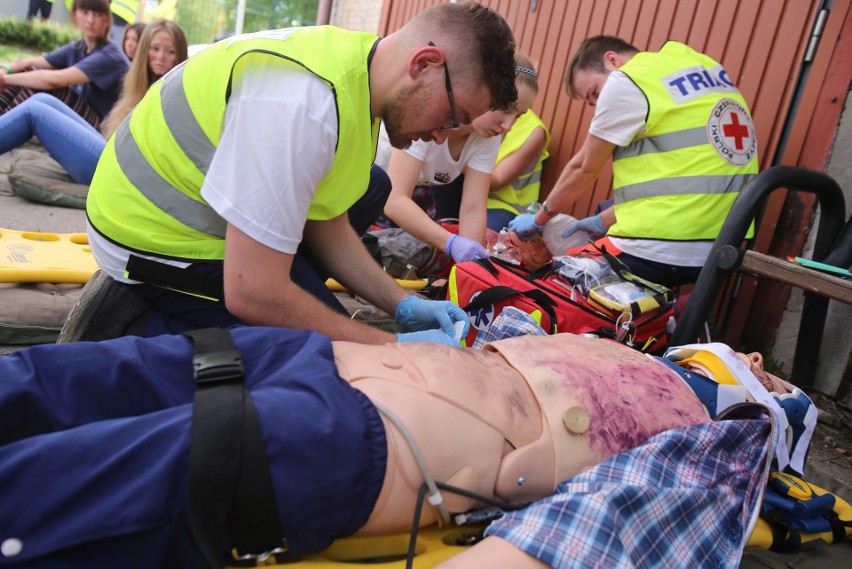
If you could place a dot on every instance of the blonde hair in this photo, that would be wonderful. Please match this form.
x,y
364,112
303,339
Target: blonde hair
x,y
139,77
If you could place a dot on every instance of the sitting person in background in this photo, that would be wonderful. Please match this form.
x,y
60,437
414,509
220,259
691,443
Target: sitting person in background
x,y
69,139
130,41
84,74
125,13
469,149
682,144
516,179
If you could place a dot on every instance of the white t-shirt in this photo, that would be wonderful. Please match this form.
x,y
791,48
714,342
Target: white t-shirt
x,y
620,114
279,128
479,153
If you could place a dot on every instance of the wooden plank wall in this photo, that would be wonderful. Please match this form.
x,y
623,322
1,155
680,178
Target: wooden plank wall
x,y
761,43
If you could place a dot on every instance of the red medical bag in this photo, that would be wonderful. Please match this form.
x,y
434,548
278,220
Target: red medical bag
x,y
484,287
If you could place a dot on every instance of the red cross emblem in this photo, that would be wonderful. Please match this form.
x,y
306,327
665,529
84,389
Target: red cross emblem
x,y
731,132
735,130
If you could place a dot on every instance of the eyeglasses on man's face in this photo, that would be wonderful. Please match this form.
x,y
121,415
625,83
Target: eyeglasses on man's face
x,y
455,125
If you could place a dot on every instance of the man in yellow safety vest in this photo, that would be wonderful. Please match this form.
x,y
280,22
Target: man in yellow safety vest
x,y
683,146
231,192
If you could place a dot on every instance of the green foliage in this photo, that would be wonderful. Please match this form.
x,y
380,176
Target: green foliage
x,y
36,35
13,53
205,21
271,14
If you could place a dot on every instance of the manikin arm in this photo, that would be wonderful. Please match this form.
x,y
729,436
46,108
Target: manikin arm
x,y
493,552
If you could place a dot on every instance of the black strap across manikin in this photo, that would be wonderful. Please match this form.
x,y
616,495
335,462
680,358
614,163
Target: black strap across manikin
x,y
230,487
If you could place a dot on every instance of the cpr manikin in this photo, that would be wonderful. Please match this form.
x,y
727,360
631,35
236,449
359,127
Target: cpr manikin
x,y
511,421
341,423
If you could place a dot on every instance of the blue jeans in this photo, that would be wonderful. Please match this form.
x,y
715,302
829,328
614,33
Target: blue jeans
x,y
69,139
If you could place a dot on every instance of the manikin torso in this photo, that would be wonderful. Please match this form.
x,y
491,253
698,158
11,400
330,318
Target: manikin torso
x,y
510,421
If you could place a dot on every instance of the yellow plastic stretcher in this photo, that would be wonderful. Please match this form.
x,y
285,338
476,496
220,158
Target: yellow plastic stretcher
x,y
33,257
434,546
412,284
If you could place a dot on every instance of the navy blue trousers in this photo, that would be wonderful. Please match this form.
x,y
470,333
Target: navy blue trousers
x,y
94,440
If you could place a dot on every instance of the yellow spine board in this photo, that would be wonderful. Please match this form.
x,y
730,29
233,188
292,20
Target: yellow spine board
x,y
434,546
34,257
762,534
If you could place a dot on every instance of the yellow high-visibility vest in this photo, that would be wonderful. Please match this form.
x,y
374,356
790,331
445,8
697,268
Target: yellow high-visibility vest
x,y
523,190
678,180
146,192
127,10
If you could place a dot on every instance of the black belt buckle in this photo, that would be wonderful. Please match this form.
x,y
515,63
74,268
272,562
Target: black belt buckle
x,y
265,559
218,367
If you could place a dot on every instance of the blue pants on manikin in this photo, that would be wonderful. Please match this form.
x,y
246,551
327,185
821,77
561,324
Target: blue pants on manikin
x,y
94,441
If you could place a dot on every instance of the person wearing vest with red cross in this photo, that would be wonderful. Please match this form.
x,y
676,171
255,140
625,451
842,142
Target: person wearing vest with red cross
x,y
682,144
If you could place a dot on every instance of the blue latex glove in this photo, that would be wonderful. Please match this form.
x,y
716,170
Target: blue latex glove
x,y
594,226
428,336
525,226
462,249
417,314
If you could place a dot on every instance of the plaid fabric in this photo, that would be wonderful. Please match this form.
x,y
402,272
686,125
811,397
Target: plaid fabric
x,y
509,323
12,96
686,498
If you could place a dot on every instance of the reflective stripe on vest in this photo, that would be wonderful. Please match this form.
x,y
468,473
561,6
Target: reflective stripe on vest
x,y
523,190
673,182
684,185
662,143
197,215
181,121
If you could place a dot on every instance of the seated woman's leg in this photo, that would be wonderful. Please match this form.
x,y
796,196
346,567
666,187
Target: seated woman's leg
x,y
68,138
12,97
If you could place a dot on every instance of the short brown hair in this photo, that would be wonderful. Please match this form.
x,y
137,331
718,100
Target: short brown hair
x,y
589,57
483,46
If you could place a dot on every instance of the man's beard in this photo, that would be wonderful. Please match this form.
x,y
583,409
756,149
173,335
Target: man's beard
x,y
406,104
